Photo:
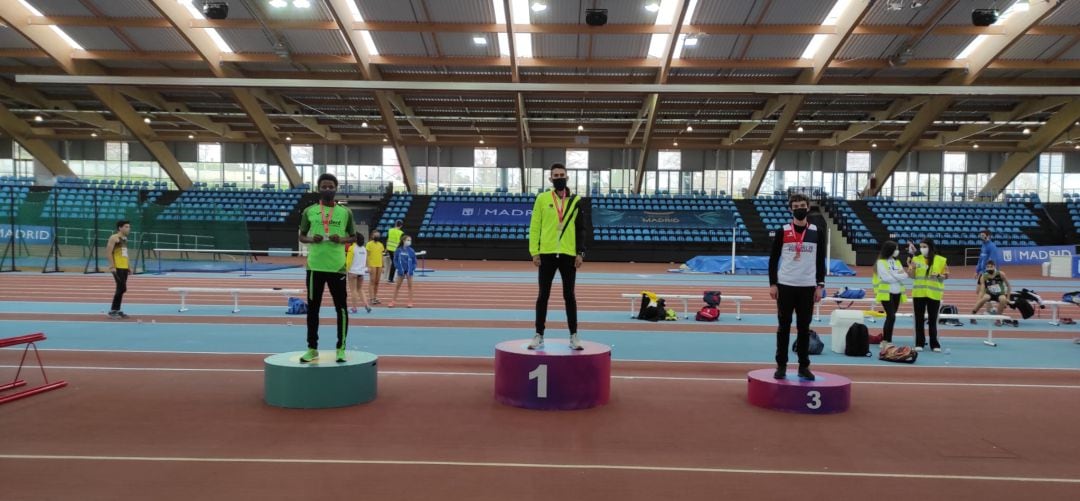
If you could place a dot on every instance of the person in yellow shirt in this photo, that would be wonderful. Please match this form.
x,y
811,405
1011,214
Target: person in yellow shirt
x,y
557,244
375,251
393,241
117,252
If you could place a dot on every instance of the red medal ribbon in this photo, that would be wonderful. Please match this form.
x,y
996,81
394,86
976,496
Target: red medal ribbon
x,y
559,207
325,220
799,242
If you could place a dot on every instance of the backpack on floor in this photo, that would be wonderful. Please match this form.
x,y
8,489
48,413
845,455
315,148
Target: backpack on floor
x,y
712,298
876,338
1018,303
1032,297
652,308
949,309
899,354
851,293
707,314
297,306
816,344
857,341
670,314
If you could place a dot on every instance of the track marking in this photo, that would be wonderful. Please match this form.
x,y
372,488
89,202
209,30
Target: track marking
x,y
628,378
543,466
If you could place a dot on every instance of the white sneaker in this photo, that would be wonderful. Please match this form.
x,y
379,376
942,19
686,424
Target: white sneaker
x,y
575,343
936,350
538,341
884,344
918,348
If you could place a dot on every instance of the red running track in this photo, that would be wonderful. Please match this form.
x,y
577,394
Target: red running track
x,y
156,426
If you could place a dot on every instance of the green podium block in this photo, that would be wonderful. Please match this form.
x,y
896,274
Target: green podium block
x,y
322,383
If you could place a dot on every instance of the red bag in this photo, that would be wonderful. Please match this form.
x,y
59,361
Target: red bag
x,y
707,314
876,338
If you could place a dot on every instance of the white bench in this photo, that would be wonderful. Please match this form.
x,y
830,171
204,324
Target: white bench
x,y
1054,305
838,300
686,298
184,291
989,341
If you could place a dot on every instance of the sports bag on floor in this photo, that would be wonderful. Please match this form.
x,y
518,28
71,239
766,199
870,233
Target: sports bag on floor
x,y
297,306
899,354
857,341
816,344
712,298
707,314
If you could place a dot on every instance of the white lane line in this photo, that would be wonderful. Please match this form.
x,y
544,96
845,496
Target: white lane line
x,y
543,466
628,378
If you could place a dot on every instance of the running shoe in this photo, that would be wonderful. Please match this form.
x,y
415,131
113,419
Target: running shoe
x,y
575,343
309,355
537,342
340,355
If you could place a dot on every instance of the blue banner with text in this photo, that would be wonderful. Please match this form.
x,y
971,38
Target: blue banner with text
x,y
480,213
663,219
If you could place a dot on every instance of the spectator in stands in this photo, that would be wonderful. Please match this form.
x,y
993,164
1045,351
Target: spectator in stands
x,y
993,285
796,279
357,265
393,240
405,260
557,243
930,271
375,251
116,250
327,228
888,280
989,251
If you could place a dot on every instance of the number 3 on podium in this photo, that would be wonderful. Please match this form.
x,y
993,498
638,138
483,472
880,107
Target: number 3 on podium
x,y
815,400
540,375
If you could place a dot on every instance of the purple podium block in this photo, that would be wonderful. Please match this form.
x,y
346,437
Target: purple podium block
x,y
827,394
553,377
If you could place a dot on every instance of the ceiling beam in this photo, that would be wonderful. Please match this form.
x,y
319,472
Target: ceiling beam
x,y
310,123
200,40
978,61
342,14
23,134
1021,111
648,111
829,46
181,111
60,52
897,107
1030,149
33,97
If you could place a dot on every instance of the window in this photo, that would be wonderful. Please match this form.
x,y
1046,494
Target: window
x,y
484,157
669,160
577,159
389,157
955,162
858,161
303,154
210,153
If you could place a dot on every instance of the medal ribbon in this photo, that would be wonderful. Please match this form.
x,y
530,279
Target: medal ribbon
x,y
325,219
799,242
559,207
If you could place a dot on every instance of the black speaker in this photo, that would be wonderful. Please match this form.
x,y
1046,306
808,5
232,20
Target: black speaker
x,y
596,17
215,10
984,17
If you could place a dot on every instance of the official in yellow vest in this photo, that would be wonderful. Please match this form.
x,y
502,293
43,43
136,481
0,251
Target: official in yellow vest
x,y
930,272
888,283
393,240
557,243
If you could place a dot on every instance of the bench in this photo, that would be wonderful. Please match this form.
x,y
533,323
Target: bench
x,y
838,300
29,340
184,291
989,341
1054,305
686,298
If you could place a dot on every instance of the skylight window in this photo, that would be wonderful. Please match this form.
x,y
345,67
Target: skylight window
x,y
214,35
830,20
364,34
666,16
56,29
1019,6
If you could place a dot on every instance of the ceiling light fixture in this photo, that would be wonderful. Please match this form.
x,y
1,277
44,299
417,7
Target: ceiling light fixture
x,y
976,146
653,7
873,145
800,129
288,138
539,7
689,128
364,125
1077,147
191,136
580,127
278,4
385,140
302,4
479,40
39,118
146,120
676,143
93,134
1027,131
690,42
481,140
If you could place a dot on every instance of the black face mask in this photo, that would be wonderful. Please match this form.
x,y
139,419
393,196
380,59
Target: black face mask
x,y
800,214
559,183
327,195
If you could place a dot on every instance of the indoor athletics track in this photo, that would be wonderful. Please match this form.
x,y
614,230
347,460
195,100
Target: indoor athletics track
x,y
168,405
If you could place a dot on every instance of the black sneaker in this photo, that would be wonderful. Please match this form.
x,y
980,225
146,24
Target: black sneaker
x,y
114,314
781,373
804,373
123,316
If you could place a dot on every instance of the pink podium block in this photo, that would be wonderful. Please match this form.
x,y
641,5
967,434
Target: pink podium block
x,y
827,394
553,377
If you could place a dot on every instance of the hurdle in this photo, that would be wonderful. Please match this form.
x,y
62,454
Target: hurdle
x,y
29,340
